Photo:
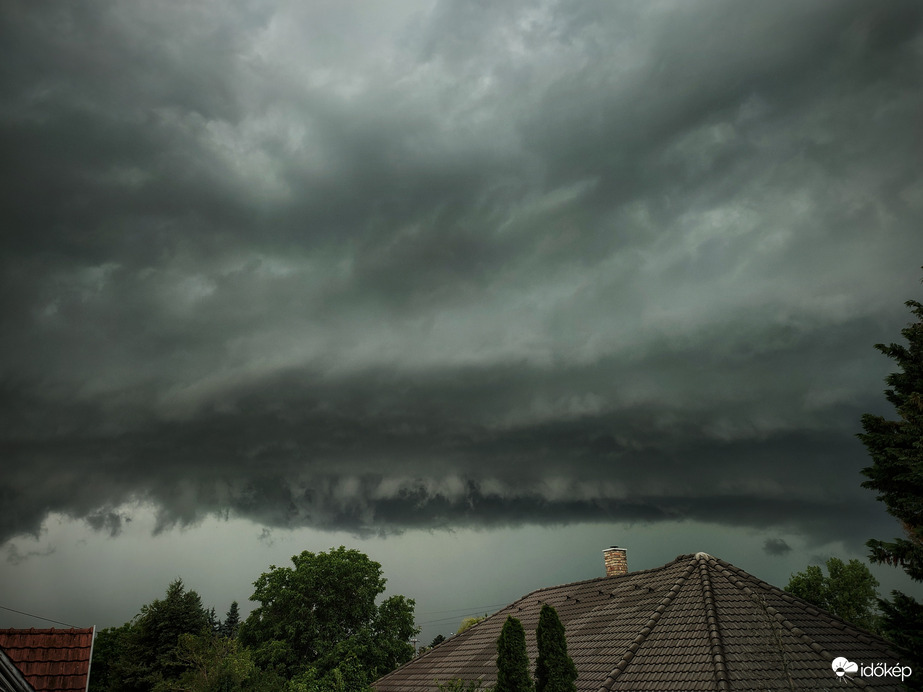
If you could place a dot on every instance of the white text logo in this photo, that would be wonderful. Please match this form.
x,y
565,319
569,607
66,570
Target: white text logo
x,y
843,666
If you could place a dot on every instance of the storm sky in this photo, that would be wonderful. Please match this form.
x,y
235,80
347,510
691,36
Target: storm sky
x,y
392,273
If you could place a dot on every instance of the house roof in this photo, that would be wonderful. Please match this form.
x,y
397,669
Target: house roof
x,y
697,623
52,660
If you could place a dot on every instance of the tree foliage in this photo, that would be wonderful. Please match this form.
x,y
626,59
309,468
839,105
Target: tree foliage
x,y
213,663
317,629
902,623
468,623
554,668
318,621
896,473
111,651
512,659
231,624
142,654
896,448
849,590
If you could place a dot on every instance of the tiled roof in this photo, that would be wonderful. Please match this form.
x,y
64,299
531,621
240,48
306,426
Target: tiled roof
x,y
697,623
51,660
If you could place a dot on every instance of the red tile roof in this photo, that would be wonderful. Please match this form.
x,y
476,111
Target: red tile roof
x,y
51,660
697,623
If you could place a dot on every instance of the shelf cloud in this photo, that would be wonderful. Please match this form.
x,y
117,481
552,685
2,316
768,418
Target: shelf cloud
x,y
426,264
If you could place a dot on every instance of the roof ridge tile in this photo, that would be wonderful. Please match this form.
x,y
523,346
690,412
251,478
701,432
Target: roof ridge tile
x,y
714,629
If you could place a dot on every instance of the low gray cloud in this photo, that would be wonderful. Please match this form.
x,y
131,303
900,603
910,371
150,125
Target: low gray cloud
x,y
16,557
109,521
776,546
265,537
377,269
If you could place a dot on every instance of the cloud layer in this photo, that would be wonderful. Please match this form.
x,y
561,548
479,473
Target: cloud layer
x,y
433,264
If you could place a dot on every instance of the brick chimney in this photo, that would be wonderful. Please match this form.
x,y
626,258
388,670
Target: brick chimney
x,y
616,560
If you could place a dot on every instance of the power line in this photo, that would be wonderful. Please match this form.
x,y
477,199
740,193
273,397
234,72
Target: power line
x,y
459,611
456,610
38,617
440,621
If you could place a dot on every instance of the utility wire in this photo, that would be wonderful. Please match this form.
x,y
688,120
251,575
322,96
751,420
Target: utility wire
x,y
39,617
455,610
460,611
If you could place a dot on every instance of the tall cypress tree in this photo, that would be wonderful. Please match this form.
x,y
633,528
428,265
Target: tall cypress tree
x,y
512,659
896,449
554,670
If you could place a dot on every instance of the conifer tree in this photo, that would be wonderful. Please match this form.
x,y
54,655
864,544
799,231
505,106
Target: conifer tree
x,y
512,659
214,624
554,669
141,656
896,448
231,621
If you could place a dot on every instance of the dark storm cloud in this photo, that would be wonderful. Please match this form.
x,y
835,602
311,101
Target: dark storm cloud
x,y
776,546
433,266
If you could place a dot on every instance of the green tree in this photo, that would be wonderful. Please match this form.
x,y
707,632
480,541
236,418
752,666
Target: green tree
x,y
142,654
512,659
392,629
468,623
214,663
231,623
214,623
159,626
896,448
110,655
901,620
849,590
896,473
318,621
554,669
811,585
